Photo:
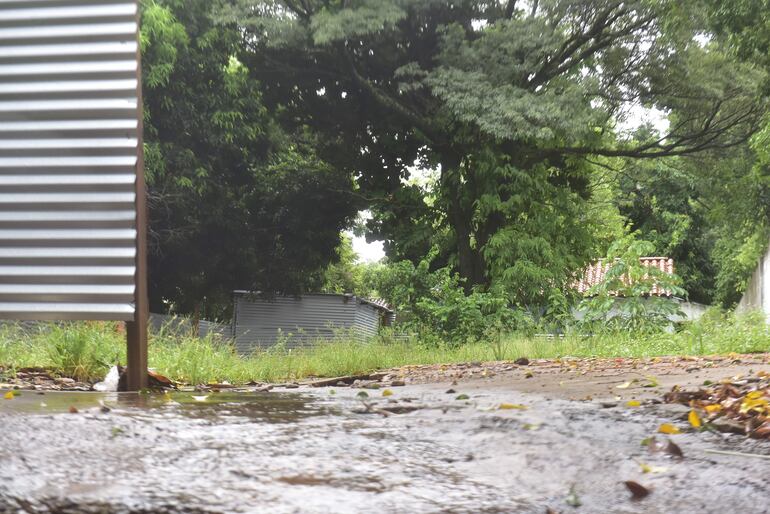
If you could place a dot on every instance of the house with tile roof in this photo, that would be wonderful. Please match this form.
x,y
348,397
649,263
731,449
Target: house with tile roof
x,y
596,272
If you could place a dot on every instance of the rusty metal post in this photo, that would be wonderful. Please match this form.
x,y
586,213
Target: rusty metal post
x,y
136,331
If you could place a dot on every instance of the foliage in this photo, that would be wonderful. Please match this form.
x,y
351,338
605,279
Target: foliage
x,y
434,304
504,100
190,359
82,351
665,202
348,275
623,299
235,201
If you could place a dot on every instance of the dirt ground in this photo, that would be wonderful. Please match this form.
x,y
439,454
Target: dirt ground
x,y
589,379
473,438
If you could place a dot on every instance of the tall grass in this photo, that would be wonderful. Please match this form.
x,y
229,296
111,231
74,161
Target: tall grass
x,y
86,350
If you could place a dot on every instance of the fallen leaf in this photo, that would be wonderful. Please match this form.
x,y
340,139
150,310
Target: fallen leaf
x,y
387,392
638,491
462,397
529,374
754,401
363,394
633,403
511,406
711,409
530,426
624,385
651,381
647,468
572,498
200,398
694,419
8,395
762,431
668,428
73,409
673,449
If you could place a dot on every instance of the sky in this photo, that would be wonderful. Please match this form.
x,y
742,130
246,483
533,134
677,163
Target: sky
x,y
367,252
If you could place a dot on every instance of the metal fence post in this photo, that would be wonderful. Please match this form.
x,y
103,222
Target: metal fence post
x,y
136,331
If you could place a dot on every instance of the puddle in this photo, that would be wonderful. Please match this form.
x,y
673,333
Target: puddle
x,y
310,451
215,406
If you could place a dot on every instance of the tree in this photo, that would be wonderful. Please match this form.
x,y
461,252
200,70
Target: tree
x,y
504,99
737,183
235,201
666,203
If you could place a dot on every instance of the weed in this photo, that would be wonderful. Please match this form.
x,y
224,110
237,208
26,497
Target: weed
x,y
86,350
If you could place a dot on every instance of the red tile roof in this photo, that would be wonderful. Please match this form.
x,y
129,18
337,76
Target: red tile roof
x,y
595,272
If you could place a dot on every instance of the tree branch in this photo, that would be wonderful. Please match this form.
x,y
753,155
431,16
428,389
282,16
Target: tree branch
x,y
387,101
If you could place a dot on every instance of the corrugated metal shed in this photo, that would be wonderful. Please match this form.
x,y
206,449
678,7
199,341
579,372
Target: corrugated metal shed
x,y
261,322
69,139
594,274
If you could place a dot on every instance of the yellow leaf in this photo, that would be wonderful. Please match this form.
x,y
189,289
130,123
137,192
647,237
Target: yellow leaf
x,y
668,428
754,401
8,395
694,419
624,385
646,468
387,392
633,403
711,409
529,374
511,406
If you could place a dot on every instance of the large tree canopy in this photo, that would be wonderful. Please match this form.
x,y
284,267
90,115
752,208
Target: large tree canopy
x,y
508,101
235,201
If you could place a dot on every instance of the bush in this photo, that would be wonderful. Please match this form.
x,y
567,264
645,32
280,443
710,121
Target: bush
x,y
435,305
628,279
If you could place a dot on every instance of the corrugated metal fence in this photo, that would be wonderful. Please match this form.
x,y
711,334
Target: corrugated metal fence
x,y
68,156
297,321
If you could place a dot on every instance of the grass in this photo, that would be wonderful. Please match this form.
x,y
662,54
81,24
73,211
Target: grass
x,y
86,350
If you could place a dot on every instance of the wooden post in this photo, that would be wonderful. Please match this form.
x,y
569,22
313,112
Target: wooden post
x,y
136,331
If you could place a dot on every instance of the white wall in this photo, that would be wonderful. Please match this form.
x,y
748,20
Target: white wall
x,y
757,295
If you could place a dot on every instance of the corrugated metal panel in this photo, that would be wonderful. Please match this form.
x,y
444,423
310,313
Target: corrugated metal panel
x,y
594,274
69,139
300,321
368,320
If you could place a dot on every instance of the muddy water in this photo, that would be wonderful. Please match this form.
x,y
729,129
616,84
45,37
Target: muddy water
x,y
312,451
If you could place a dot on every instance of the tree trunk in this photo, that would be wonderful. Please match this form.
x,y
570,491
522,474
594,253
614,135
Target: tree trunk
x,y
471,265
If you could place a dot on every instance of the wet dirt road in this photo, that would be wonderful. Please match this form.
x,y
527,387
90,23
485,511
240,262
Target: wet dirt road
x,y
314,451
